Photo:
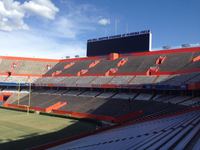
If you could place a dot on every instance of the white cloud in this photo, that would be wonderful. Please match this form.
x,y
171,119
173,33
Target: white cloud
x,y
26,44
43,8
64,36
11,16
104,21
12,13
75,20
65,27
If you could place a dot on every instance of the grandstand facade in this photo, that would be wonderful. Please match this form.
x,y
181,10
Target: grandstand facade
x,y
128,92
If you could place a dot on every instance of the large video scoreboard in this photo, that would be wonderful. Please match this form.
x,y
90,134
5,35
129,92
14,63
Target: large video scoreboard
x,y
124,43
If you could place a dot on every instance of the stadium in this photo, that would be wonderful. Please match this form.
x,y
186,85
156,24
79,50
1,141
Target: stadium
x,y
137,100
122,95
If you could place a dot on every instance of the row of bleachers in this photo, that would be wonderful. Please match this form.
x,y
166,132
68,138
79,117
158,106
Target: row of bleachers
x,y
18,79
192,102
144,97
33,67
106,95
175,62
73,92
132,65
180,79
44,91
74,103
85,80
162,98
39,100
102,80
103,104
176,132
126,96
5,65
143,80
180,100
71,81
16,97
147,62
121,80
49,80
103,66
192,64
14,79
92,81
25,66
136,63
163,78
90,93
78,66
59,67
194,79
177,99
88,81
100,94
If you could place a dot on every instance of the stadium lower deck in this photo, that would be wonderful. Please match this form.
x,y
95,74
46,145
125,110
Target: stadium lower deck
x,y
134,101
167,133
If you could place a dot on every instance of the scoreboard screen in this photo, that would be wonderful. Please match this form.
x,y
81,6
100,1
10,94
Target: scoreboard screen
x,y
124,43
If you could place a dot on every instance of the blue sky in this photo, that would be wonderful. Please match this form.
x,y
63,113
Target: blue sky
x,y
59,28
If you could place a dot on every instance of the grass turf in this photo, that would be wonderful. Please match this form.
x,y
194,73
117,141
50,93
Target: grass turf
x,y
21,130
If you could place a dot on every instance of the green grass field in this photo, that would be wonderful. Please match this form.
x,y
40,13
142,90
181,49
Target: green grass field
x,y
24,130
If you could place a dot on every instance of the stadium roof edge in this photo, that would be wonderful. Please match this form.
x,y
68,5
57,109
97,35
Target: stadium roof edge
x,y
176,50
29,58
168,51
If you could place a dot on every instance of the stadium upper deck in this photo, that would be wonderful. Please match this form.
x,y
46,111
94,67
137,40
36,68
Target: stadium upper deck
x,y
177,67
